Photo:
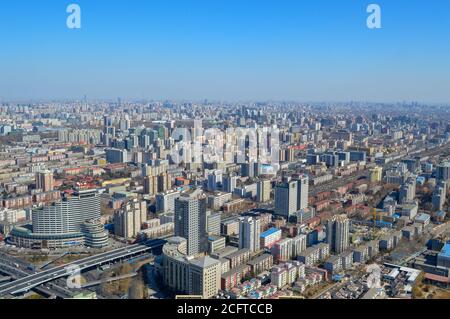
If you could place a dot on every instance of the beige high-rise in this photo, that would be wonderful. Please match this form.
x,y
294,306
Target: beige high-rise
x,y
44,181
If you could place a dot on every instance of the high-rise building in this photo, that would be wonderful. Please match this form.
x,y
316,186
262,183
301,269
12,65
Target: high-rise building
x,y
70,222
443,171
249,233
302,192
213,220
107,121
338,230
67,215
286,198
129,219
376,174
190,220
44,181
439,196
199,276
282,250
407,191
229,182
125,123
264,189
290,154
204,276
114,155
299,244
164,182
150,185
214,179
165,202
249,169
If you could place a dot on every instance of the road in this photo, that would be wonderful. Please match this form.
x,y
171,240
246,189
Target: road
x,y
31,281
15,268
108,280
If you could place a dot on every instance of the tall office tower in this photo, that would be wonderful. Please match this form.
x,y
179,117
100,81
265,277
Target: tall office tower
x,y
376,174
249,231
129,219
190,220
44,180
344,157
67,215
250,169
229,182
443,171
407,191
264,188
107,122
286,198
213,179
290,154
411,164
125,123
213,221
302,192
150,185
164,182
114,155
132,142
282,155
338,228
439,196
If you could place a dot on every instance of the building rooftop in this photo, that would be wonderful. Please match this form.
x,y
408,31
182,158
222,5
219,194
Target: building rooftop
x,y
269,232
215,237
333,259
239,269
445,252
259,259
224,252
423,217
204,262
237,253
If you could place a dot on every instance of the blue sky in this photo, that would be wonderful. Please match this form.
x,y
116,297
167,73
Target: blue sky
x,y
306,50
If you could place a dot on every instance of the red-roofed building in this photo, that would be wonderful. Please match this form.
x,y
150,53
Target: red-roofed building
x,y
441,281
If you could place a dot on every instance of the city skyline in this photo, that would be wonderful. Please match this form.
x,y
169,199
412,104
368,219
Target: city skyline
x,y
226,50
228,151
